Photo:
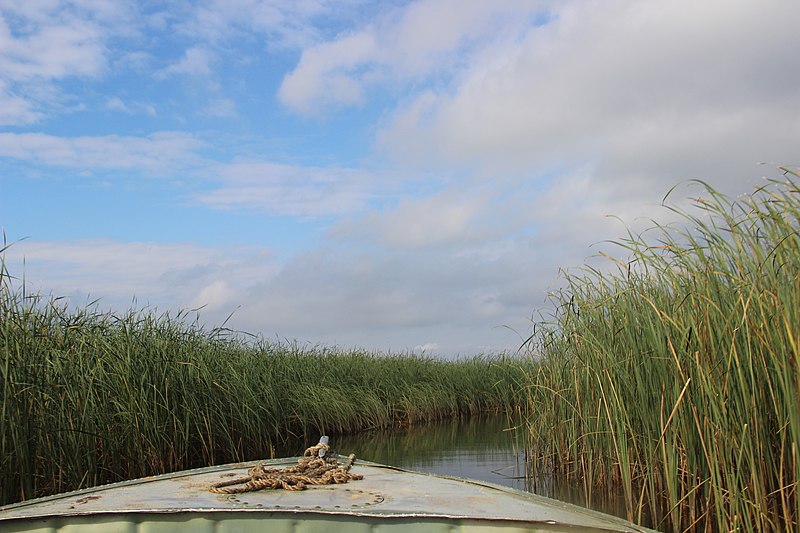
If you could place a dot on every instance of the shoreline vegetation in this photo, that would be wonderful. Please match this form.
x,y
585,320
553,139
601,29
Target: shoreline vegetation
x,y
672,376
89,398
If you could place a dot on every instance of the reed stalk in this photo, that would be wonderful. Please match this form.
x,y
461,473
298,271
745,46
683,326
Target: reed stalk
x,y
674,374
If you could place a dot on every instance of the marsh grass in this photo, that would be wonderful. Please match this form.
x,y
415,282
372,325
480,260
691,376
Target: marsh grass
x,y
673,377
89,397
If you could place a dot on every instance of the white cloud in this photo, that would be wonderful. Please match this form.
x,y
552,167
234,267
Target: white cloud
x,y
217,296
283,25
322,77
646,92
273,188
221,108
289,190
52,50
171,276
196,61
445,219
427,347
45,42
407,44
157,153
15,110
384,299
367,299
115,103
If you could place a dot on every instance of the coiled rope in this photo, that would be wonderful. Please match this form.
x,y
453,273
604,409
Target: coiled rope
x,y
316,467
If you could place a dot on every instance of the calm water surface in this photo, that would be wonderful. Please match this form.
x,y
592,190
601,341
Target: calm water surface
x,y
487,449
482,448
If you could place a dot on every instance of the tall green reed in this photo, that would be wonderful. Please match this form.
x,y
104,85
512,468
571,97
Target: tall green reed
x,y
674,374
89,397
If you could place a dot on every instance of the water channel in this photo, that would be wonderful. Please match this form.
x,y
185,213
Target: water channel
x,y
486,448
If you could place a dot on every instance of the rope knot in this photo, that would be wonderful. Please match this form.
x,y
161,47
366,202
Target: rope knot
x,y
320,450
316,467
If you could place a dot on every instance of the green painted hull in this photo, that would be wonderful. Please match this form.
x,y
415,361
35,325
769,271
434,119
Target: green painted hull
x,y
386,499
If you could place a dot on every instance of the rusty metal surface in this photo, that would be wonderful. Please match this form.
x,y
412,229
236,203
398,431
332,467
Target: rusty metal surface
x,y
384,492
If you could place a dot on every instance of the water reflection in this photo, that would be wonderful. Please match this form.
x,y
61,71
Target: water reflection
x,y
483,448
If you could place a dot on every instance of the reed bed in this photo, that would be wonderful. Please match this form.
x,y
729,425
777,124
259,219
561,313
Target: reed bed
x,y
672,377
89,397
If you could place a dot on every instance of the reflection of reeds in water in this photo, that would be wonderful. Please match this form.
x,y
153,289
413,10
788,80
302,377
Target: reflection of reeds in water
x,y
479,435
675,379
90,398
489,446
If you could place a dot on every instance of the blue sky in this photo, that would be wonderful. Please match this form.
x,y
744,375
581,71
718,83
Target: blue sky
x,y
389,175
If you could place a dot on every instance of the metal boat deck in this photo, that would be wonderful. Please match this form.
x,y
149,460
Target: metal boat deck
x,y
386,499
